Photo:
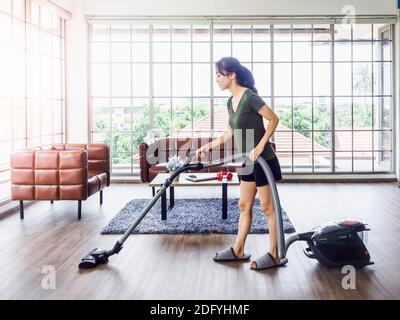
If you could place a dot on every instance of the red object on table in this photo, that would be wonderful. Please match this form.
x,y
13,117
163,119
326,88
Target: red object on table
x,y
227,175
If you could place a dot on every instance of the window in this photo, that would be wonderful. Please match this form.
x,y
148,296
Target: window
x,y
363,98
329,84
31,79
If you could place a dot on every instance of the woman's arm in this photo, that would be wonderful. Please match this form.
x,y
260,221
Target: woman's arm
x,y
273,121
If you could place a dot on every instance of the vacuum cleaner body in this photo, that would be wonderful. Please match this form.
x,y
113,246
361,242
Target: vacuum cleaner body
x,y
339,243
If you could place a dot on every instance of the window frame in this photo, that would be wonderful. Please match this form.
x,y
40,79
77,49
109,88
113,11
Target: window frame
x,y
292,21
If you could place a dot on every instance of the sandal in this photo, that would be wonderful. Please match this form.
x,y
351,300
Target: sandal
x,y
266,261
229,255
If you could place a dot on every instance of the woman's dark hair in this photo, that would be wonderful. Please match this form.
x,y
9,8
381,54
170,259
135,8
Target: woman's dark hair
x,y
244,77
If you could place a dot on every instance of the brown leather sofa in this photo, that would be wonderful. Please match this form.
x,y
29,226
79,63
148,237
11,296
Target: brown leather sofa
x,y
60,172
154,156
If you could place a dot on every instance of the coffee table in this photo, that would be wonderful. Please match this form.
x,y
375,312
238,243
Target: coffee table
x,y
181,181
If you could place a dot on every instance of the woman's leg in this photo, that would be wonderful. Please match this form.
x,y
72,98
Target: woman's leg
x,y
267,207
248,191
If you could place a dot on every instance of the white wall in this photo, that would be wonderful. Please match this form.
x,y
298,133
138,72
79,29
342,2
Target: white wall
x,y
77,77
236,7
65,4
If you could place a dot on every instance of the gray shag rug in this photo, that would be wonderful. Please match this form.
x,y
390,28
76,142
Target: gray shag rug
x,y
190,216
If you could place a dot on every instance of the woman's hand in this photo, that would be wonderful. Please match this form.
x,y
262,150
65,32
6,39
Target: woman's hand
x,y
255,153
201,151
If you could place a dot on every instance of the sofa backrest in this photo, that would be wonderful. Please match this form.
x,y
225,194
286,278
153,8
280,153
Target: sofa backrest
x,y
164,148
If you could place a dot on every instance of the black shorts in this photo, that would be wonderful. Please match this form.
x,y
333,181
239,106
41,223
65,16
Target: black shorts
x,y
258,174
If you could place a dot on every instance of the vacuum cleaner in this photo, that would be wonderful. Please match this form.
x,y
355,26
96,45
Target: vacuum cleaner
x,y
334,244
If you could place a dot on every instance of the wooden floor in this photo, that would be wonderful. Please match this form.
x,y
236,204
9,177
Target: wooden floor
x,y
181,266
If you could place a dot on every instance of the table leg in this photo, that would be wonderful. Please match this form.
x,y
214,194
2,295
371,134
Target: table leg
x,y
171,197
224,200
164,206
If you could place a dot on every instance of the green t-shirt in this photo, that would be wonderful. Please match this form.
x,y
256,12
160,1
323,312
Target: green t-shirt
x,y
247,117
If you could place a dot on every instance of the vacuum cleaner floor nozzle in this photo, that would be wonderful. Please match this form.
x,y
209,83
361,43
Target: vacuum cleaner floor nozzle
x,y
93,259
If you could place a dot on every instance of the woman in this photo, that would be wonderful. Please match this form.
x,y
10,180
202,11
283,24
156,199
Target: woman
x,y
246,111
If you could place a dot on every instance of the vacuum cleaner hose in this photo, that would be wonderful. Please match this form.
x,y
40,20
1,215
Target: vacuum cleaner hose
x,y
280,235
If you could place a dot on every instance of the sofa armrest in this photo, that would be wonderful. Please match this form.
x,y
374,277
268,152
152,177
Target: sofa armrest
x,y
143,163
99,159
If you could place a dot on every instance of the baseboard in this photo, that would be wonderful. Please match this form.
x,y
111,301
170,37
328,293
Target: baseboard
x,y
129,179
345,177
9,207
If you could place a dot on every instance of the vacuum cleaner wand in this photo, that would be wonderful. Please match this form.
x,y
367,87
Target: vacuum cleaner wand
x,y
96,256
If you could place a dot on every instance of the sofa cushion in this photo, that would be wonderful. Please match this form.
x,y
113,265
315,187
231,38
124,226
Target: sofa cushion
x,y
46,192
73,159
23,176
22,192
72,176
46,177
23,159
46,159
159,167
221,168
73,192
